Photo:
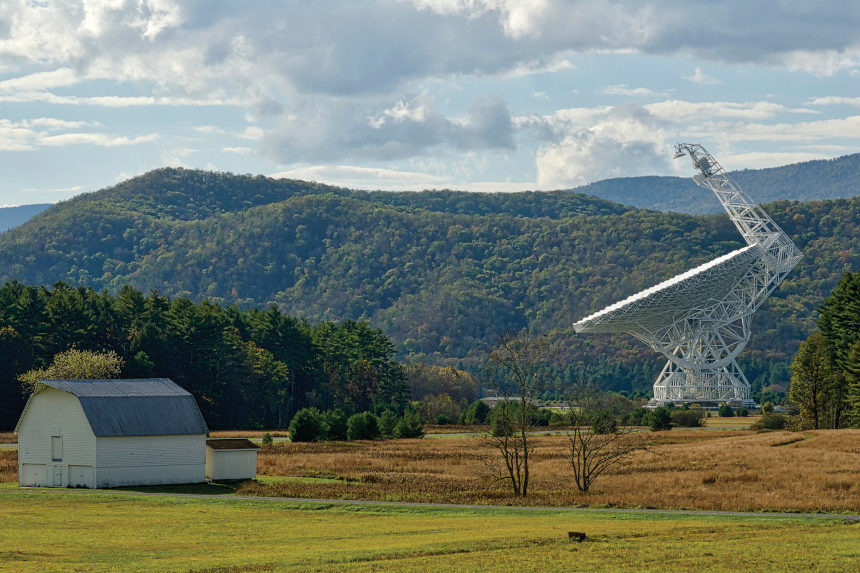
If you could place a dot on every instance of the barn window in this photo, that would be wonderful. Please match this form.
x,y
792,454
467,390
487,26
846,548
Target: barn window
x,y
56,448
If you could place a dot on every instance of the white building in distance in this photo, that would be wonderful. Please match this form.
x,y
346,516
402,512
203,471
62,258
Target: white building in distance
x,y
108,433
231,458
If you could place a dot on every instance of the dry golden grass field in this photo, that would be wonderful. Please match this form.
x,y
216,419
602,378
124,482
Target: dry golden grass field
x,y
701,469
711,469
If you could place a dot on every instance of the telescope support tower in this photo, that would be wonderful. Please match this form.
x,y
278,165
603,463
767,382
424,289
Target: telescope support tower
x,y
700,320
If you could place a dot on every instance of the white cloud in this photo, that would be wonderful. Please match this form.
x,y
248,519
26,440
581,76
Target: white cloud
x,y
823,63
336,83
98,139
700,77
239,150
683,111
835,100
62,77
118,101
32,134
623,141
328,130
210,129
252,132
624,90
359,177
806,132
54,124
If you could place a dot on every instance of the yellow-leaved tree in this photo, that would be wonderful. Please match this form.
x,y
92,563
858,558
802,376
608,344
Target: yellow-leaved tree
x,y
74,364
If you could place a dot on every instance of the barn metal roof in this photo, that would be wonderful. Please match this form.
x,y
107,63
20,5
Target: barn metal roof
x,y
231,444
135,407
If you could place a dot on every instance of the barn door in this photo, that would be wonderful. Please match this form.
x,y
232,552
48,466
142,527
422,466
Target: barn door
x,y
80,476
58,475
56,448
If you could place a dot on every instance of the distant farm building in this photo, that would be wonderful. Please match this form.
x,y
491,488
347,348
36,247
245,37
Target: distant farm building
x,y
231,458
107,433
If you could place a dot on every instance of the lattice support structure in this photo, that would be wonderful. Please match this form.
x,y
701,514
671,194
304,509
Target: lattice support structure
x,y
700,319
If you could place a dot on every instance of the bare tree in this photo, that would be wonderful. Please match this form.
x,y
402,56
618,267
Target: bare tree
x,y
596,442
517,369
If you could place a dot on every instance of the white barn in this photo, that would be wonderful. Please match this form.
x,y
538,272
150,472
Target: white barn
x,y
108,433
231,458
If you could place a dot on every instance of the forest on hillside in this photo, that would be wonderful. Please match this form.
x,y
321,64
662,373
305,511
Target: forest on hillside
x,y
246,368
443,274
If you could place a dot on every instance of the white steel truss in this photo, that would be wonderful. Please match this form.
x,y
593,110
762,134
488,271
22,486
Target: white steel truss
x,y
700,319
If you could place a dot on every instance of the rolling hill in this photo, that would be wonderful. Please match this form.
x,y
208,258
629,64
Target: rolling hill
x,y
821,179
14,216
442,273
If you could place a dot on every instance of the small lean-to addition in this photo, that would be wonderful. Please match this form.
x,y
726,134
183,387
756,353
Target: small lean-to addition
x,y
231,458
108,433
700,320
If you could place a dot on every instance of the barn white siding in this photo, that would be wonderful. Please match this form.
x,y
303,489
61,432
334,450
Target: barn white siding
x,y
231,464
108,433
144,460
55,425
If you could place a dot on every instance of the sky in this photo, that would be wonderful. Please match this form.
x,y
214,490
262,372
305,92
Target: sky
x,y
483,95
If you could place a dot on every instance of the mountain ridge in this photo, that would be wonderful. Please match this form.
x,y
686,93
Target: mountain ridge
x,y
442,273
836,178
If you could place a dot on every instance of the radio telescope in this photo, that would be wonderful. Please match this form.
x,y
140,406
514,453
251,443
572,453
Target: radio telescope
x,y
700,320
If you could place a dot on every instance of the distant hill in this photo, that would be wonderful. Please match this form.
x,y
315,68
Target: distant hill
x,y
443,273
822,179
14,216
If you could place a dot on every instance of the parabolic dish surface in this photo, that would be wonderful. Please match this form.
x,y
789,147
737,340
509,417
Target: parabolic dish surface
x,y
676,298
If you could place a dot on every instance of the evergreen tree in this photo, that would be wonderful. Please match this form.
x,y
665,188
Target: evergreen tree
x,y
812,381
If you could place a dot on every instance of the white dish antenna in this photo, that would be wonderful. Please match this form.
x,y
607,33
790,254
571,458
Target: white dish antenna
x,y
700,319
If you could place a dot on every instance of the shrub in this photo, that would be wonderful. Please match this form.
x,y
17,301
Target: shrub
x,y
767,408
410,425
540,417
364,426
559,418
387,423
603,422
502,420
335,424
742,412
476,413
267,439
660,419
771,421
306,425
725,411
432,406
638,417
687,418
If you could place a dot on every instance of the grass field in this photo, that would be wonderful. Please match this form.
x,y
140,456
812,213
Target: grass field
x,y
99,531
704,469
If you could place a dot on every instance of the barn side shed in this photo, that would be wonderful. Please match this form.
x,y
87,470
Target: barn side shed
x,y
231,458
107,433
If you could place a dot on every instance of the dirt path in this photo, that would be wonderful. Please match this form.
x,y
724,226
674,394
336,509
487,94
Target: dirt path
x,y
843,516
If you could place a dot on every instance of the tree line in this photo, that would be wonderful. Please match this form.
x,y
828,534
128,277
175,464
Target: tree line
x,y
251,368
825,380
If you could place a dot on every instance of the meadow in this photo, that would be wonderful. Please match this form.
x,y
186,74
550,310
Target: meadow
x,y
69,530
709,469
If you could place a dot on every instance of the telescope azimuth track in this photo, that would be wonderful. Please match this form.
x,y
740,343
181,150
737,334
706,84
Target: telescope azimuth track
x,y
700,319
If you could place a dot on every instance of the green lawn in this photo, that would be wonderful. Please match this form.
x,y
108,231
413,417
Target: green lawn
x,y
43,530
